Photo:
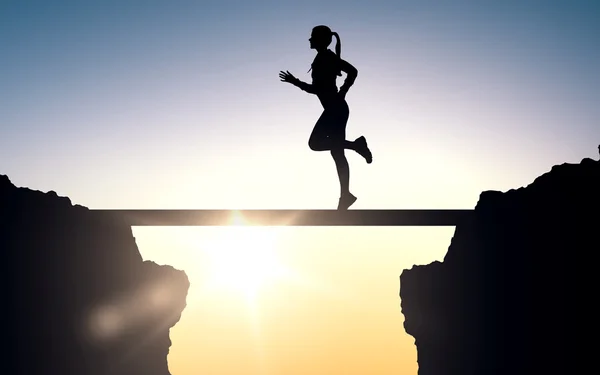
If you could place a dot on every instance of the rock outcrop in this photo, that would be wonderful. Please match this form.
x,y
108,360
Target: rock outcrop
x,y
509,296
78,297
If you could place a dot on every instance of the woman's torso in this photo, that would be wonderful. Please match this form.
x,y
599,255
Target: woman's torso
x,y
324,70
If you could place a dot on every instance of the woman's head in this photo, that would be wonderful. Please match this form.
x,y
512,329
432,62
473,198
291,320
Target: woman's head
x,y
321,37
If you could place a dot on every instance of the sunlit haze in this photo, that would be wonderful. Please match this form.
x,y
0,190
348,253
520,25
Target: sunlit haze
x,y
177,104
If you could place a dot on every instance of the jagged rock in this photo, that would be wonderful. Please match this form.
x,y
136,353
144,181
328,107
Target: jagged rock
x,y
80,299
510,293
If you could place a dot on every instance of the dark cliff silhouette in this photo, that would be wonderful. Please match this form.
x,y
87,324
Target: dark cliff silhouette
x,y
329,133
78,298
511,294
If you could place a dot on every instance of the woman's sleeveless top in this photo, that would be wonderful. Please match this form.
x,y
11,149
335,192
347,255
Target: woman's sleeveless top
x,y
325,69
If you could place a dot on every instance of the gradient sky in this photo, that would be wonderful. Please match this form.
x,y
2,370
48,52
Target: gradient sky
x,y
178,104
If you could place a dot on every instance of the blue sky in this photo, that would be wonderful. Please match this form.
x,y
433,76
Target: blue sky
x,y
96,97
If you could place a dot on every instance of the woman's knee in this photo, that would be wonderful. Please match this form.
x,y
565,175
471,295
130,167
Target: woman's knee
x,y
316,144
338,153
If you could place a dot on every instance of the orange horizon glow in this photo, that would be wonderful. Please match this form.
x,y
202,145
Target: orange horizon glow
x,y
274,300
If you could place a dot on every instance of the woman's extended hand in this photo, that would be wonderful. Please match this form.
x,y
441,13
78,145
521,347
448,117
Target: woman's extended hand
x,y
287,77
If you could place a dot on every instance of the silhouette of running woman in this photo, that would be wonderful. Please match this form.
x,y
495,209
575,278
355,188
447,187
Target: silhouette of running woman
x,y
329,133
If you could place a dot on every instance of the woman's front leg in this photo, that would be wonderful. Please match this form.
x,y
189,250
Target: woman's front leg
x,y
319,140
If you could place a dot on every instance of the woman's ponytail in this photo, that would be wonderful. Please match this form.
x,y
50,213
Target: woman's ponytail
x,y
338,48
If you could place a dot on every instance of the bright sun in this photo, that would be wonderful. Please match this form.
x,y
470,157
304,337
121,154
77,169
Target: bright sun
x,y
244,259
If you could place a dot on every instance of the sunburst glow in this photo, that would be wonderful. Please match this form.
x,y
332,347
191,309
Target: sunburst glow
x,y
244,258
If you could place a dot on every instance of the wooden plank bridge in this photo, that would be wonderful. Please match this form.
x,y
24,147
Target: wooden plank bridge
x,y
167,217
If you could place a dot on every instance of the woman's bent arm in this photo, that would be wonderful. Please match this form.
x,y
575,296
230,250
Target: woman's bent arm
x,y
304,86
351,72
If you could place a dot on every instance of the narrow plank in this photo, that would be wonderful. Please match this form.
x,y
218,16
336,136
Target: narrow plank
x,y
191,217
